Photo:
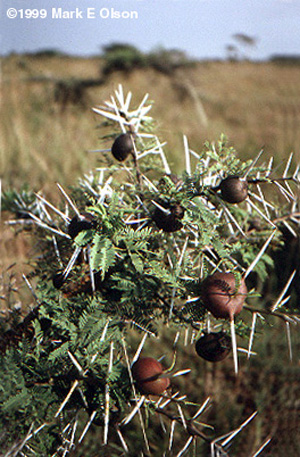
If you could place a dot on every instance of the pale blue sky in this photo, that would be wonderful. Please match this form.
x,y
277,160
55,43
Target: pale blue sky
x,y
201,28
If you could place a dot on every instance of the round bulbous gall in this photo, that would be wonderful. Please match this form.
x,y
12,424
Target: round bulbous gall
x,y
146,372
234,189
58,280
214,346
169,222
122,147
77,224
220,296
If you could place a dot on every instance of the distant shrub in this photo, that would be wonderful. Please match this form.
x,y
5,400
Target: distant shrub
x,y
48,53
126,58
285,59
122,57
69,92
166,61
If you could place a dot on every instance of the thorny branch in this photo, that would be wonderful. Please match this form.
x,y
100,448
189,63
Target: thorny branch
x,y
287,318
192,430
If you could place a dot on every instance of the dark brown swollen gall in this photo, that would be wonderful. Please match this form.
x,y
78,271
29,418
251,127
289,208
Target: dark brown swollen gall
x,y
169,222
234,189
122,147
214,346
147,373
220,296
58,280
86,221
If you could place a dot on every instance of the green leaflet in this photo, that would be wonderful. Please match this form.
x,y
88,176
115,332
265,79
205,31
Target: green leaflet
x,y
102,254
59,352
17,402
158,271
84,237
138,262
98,210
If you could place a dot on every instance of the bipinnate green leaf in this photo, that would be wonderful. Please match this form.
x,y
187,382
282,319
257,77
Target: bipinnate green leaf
x,y
102,254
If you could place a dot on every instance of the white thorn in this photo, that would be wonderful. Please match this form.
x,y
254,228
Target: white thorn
x,y
164,210
281,296
104,330
253,164
261,252
47,227
232,218
75,362
69,200
75,384
134,411
122,440
186,446
107,395
139,349
171,435
66,218
163,158
243,425
72,262
181,372
234,346
288,165
254,318
30,287
187,155
87,426
201,409
92,276
261,447
260,212
289,340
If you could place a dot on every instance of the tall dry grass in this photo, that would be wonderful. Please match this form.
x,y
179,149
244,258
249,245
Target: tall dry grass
x,y
255,104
